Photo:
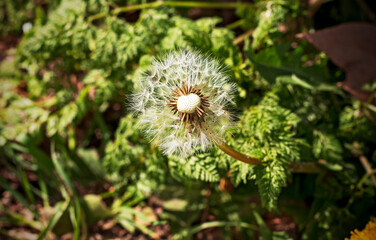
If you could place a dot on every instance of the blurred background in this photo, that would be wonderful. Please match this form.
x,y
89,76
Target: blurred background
x,y
74,163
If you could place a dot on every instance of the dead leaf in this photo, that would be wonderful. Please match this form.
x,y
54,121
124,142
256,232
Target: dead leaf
x,y
352,47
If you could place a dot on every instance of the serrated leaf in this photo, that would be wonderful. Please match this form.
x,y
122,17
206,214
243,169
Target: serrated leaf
x,y
270,178
201,168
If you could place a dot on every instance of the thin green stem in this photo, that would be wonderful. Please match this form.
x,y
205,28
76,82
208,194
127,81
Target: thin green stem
x,y
181,4
218,5
119,10
96,17
365,177
242,37
21,219
367,166
236,24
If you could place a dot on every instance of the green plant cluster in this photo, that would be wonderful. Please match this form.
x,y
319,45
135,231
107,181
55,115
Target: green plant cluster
x,y
64,118
13,14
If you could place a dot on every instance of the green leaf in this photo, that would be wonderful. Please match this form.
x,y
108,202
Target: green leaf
x,y
281,236
26,185
241,172
200,166
189,232
175,204
95,209
294,80
42,160
91,158
270,178
327,147
127,224
268,22
126,218
18,219
265,232
269,130
60,170
75,215
312,85
275,64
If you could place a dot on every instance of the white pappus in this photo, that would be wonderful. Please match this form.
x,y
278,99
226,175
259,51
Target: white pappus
x,y
179,96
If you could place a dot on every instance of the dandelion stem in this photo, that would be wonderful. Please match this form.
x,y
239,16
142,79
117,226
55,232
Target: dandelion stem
x,y
226,148
303,167
237,155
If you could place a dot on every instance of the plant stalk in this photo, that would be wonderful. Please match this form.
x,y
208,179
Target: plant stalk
x,y
182,4
242,37
226,148
367,166
193,4
237,155
304,167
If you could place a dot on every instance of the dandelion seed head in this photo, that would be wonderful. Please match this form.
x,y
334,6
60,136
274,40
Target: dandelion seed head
x,y
179,92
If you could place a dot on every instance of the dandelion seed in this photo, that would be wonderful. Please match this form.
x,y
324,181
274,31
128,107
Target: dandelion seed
x,y
183,102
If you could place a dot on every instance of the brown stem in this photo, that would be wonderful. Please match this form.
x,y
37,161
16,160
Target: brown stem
x,y
367,166
237,155
307,167
242,37
226,148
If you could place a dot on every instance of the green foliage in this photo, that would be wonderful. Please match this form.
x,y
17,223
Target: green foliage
x,y
24,116
199,166
268,128
129,159
13,14
268,20
64,121
326,147
355,123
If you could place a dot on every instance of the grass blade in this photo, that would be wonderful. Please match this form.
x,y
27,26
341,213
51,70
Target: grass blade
x,y
17,219
60,208
60,169
18,197
26,185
